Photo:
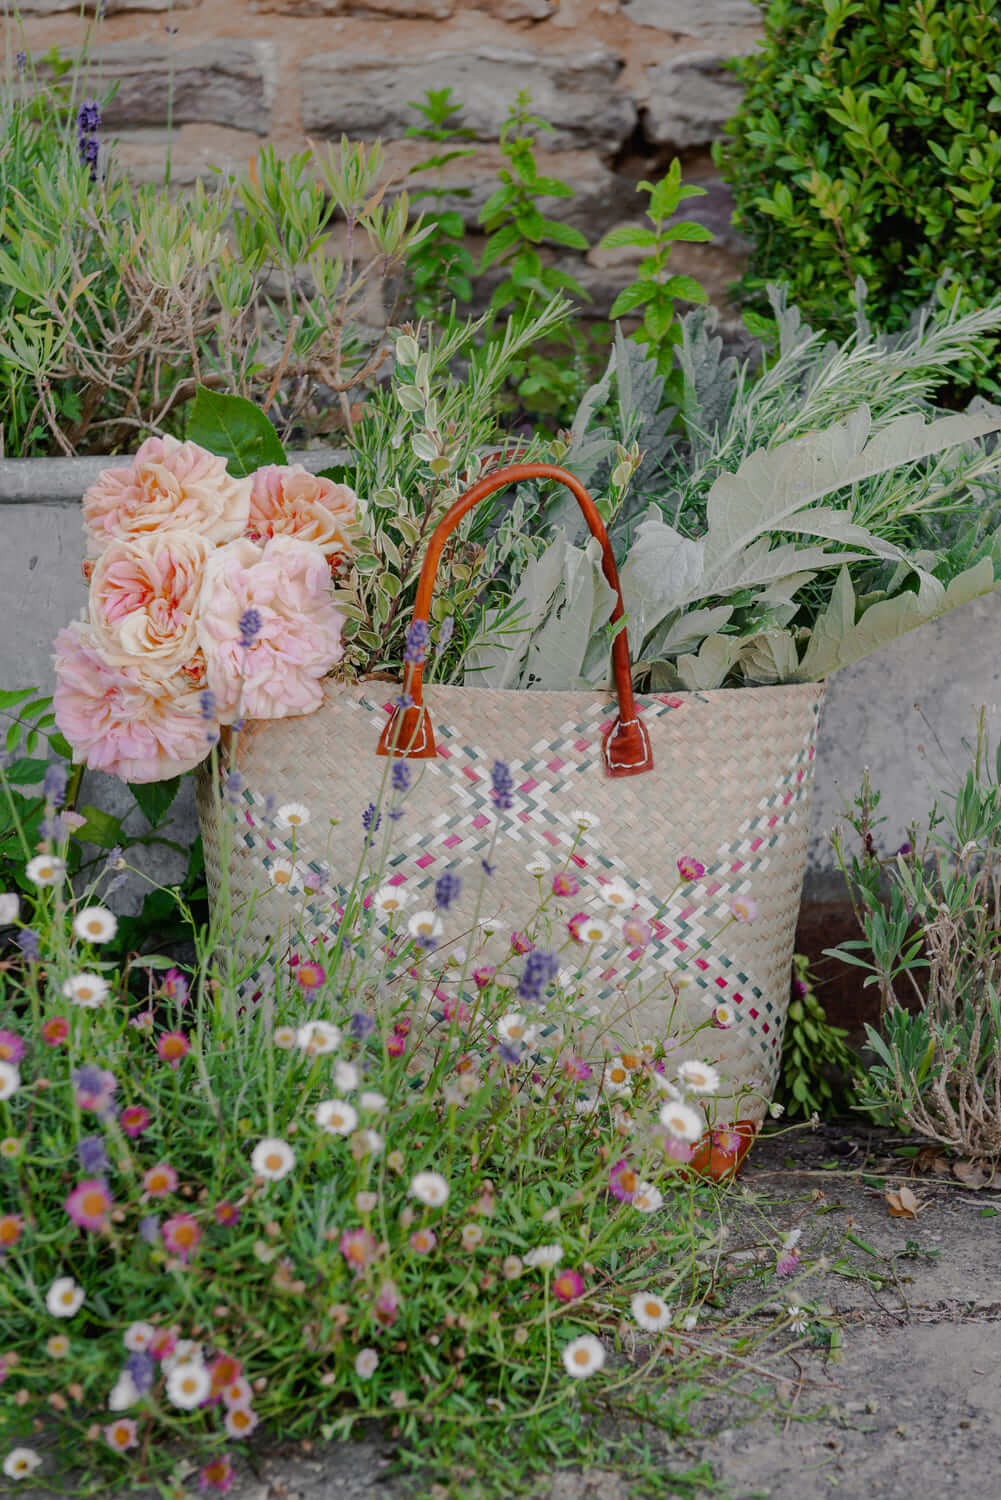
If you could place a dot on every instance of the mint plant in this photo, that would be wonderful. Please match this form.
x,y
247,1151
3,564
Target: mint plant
x,y
655,289
440,266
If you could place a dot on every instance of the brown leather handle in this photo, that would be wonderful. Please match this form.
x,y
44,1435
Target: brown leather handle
x,y
408,733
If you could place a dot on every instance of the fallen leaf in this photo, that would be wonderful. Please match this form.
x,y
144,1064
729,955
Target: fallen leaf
x,y
903,1204
971,1174
930,1159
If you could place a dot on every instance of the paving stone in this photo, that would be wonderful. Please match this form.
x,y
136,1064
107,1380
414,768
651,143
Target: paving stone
x,y
693,95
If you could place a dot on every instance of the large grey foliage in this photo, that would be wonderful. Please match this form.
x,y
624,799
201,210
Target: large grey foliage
x,y
813,512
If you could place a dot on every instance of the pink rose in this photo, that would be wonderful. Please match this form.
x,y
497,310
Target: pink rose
x,y
169,486
122,719
287,583
292,502
144,600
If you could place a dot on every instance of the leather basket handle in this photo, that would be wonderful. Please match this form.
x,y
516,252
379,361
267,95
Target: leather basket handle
x,y
408,733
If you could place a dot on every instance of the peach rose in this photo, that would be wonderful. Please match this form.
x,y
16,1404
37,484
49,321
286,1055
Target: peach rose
x,y
124,720
169,486
289,501
287,584
144,600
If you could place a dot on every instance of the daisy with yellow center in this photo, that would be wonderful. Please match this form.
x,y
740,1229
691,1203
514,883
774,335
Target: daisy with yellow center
x,y
86,990
95,924
45,870
389,899
292,815
121,1434
336,1116
583,1356
272,1159
64,1298
651,1312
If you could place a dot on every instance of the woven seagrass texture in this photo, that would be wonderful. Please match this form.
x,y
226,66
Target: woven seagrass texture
x,y
731,786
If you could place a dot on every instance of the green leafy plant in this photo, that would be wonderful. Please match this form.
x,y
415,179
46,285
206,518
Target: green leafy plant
x,y
867,144
654,289
817,1064
718,588
439,265
930,913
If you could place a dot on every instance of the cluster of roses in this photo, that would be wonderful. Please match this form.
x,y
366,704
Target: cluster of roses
x,y
210,602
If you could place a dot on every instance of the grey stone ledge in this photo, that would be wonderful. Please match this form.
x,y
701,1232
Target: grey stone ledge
x,y
62,481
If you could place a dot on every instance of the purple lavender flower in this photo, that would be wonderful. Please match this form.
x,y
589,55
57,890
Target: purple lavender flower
x,y
905,848
250,627
488,868
149,1229
88,117
445,634
141,1366
400,777
501,786
446,889
541,969
29,943
416,647
509,1054
92,1154
207,704
361,1025
54,786
370,820
233,788
21,62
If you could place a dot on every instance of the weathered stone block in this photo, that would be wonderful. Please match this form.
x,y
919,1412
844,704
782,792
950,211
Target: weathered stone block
x,y
691,98
363,94
692,18
226,82
110,8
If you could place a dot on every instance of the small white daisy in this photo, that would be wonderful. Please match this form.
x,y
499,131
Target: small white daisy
x,y
538,865
584,1355
698,1077
583,818
424,924
124,1393
137,1336
593,930
366,1203
648,1198
685,1123
366,1363
369,1142
776,1110
651,1312
21,1463
10,905
346,1076
273,1159
292,815
45,869
585,1104
284,1037
336,1116
664,1086
64,1298
389,899
86,990
184,1352
544,1257
618,894
799,1322
513,1027
95,924
318,1037
284,875
188,1384
372,1100
10,1079
430,1188
617,1079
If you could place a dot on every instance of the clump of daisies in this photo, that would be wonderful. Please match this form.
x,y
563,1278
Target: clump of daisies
x,y
396,1181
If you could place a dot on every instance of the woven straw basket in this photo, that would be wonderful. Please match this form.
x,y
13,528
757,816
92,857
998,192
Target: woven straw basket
x,y
723,776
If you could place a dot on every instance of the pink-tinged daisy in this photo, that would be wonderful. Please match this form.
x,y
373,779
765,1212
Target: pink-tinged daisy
x,y
484,976
576,1068
121,1434
55,1030
11,1047
225,1370
175,986
744,908
181,1235
623,1182
787,1263
366,1363
173,1046
728,1142
565,883
690,869
240,1421
310,975
226,1213
237,1393
217,1475
387,1305
677,1150
138,1337
358,1247
521,943
160,1180
134,1119
89,1204
723,1017
423,1241
11,1229
583,1356
637,932
568,1285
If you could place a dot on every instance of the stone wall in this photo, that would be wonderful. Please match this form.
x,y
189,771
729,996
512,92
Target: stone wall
x,y
627,84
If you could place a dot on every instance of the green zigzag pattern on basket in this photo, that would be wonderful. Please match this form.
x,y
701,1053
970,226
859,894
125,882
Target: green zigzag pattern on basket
x,y
687,915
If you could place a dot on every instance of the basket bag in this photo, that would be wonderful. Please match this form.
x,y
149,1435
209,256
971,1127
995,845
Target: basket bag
x,y
724,777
